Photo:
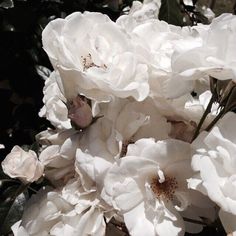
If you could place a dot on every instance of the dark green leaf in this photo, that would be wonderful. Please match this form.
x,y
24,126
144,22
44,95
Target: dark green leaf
x,y
170,12
2,174
12,201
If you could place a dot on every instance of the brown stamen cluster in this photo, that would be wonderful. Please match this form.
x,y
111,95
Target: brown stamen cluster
x,y
88,63
166,189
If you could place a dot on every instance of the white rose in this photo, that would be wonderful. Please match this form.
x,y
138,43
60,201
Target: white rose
x,y
215,165
94,57
23,165
156,42
215,57
148,186
67,211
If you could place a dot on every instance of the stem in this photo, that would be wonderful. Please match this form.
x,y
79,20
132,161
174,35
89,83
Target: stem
x,y
20,190
32,189
209,127
9,180
212,4
120,226
206,112
194,221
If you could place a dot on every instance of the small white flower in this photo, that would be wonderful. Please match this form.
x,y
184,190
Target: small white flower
x,y
22,165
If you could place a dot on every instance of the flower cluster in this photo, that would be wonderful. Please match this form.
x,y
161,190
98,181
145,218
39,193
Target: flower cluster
x,y
130,153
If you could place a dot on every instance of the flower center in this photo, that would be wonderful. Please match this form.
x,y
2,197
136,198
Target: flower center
x,y
164,189
88,63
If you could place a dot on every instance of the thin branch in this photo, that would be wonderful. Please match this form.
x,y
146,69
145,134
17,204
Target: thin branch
x,y
195,221
209,127
212,4
207,111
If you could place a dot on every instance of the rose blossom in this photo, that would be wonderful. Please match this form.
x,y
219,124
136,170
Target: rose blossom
x,y
94,57
23,165
156,42
215,165
67,211
148,186
215,57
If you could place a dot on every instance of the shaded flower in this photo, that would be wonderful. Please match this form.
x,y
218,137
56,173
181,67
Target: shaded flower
x,y
215,165
22,165
148,186
94,57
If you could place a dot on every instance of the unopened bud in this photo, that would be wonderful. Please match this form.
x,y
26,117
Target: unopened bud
x,y
80,113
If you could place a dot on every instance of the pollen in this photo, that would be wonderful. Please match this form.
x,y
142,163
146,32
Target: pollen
x,y
164,189
88,63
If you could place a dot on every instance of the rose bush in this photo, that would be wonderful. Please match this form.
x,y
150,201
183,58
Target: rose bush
x,y
133,151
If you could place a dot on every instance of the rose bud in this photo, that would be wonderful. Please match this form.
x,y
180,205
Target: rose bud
x,y
22,165
80,113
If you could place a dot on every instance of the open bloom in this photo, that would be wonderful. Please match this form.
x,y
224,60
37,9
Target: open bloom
x,y
215,57
22,165
215,166
134,120
148,186
94,57
66,211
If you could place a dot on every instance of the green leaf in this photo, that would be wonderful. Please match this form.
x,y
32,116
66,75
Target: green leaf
x,y
2,174
12,202
171,13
